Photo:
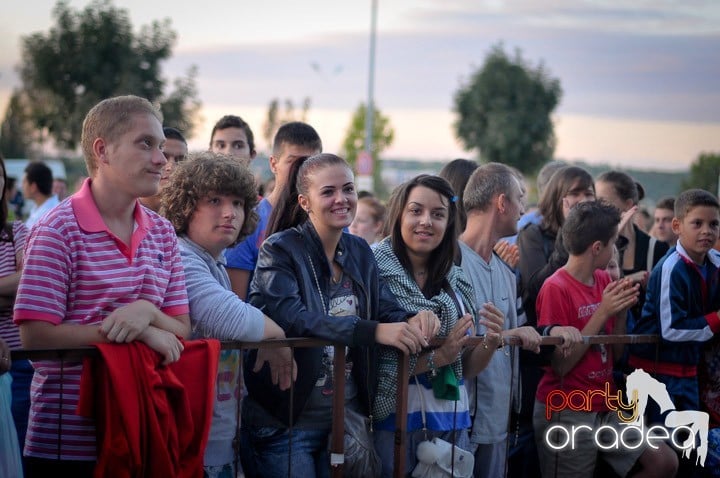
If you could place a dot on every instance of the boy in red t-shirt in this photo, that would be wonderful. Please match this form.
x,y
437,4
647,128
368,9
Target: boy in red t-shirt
x,y
582,294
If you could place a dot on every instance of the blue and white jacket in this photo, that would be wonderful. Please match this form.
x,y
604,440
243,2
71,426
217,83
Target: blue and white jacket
x,y
682,305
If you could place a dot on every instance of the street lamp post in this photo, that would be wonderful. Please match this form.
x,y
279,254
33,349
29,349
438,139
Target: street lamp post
x,y
365,160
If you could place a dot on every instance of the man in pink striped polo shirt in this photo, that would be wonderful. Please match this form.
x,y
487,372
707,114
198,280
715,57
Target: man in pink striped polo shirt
x,y
99,268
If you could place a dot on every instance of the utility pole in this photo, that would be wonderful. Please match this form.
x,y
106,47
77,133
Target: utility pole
x,y
365,164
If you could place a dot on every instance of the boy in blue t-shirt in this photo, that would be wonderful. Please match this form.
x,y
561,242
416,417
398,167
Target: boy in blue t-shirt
x,y
292,141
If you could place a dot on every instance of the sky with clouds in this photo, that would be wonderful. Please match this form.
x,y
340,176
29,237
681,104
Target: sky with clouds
x,y
639,79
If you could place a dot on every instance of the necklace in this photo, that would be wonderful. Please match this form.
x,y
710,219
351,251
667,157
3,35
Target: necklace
x,y
333,267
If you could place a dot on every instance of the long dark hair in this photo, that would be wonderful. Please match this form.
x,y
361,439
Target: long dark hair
x,y
3,203
458,172
550,205
441,259
287,212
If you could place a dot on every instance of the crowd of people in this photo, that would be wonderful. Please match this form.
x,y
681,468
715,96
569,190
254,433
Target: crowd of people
x,y
169,252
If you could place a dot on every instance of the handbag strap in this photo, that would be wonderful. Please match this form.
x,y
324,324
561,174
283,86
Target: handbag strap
x,y
422,407
425,431
455,296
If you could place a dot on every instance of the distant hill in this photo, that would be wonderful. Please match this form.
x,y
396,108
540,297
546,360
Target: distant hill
x,y
657,184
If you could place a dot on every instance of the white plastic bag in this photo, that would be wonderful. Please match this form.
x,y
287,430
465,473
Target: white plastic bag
x,y
435,461
10,459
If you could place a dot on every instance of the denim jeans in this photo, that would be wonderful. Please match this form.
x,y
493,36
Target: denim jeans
x,y
22,374
523,460
275,453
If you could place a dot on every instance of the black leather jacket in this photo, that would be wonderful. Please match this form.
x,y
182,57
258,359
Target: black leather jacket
x,y
285,288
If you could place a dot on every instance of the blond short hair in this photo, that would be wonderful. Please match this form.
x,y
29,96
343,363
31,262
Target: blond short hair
x,y
110,119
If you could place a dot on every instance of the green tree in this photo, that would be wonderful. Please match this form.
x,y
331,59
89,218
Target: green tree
x,y
504,111
181,107
276,118
704,172
382,138
16,134
93,54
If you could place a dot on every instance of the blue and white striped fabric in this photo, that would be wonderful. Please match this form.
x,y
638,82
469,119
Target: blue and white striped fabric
x,y
439,413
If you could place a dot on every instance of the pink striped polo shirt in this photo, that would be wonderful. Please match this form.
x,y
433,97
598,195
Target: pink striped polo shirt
x,y
76,271
8,254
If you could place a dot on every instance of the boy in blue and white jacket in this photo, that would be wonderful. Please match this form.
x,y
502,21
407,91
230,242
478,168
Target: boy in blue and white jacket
x,y
682,302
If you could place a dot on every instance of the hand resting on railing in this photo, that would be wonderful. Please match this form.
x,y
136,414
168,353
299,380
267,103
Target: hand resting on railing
x,y
283,368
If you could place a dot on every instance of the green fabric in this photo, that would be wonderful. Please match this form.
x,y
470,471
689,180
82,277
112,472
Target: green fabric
x,y
445,385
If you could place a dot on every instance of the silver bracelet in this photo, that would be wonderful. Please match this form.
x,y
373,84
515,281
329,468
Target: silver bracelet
x,y
432,370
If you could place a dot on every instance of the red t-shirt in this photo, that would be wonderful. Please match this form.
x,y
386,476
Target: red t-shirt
x,y
563,300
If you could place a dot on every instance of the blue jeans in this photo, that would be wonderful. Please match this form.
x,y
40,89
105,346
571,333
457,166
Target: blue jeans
x,y
266,452
22,374
523,461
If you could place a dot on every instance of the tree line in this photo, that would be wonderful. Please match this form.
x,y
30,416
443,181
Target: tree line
x,y
503,110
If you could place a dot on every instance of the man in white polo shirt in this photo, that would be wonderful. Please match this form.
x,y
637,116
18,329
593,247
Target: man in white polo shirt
x,y
37,186
99,268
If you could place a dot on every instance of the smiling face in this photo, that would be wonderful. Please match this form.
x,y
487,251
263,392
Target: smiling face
x,y
331,199
698,231
424,221
216,222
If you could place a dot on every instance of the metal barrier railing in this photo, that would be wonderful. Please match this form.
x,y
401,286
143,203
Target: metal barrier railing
x,y
403,381
336,446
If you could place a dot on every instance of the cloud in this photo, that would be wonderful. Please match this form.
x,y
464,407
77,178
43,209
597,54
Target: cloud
x,y
647,63
640,17
627,75
646,59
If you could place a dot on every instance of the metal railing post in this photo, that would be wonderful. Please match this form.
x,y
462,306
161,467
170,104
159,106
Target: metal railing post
x,y
401,416
337,446
338,419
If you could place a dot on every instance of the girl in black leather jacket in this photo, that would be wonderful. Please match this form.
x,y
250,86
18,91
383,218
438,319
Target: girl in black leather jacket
x,y
315,280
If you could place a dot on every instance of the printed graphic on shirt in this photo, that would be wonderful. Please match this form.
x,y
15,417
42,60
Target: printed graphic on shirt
x,y
343,302
227,384
584,314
